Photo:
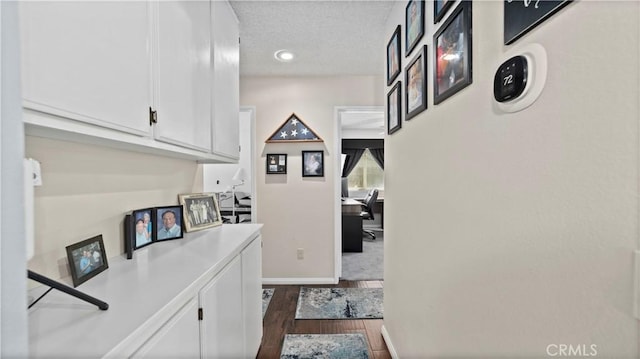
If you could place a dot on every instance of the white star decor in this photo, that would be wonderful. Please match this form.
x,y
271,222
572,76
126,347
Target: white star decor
x,y
290,132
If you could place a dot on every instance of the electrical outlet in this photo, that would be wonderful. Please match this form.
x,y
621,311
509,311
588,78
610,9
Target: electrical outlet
x,y
300,253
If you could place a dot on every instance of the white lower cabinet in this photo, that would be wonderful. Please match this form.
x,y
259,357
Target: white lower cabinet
x,y
177,339
229,309
252,297
221,328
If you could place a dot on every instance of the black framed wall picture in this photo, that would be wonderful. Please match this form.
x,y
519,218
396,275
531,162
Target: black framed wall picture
x,y
521,17
276,163
312,163
414,24
453,66
440,8
393,56
415,76
394,106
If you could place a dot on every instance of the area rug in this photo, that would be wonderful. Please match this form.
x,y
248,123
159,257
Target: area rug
x,y
339,303
326,346
267,294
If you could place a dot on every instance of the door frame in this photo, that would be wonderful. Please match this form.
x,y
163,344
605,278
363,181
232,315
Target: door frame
x,y
338,112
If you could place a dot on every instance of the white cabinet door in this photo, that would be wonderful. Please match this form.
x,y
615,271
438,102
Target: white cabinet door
x,y
183,74
226,82
221,328
179,338
88,61
252,296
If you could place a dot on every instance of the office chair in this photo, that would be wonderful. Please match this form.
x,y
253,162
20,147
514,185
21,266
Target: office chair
x,y
367,210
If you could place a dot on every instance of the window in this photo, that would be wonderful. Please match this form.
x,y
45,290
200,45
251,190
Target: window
x,y
367,174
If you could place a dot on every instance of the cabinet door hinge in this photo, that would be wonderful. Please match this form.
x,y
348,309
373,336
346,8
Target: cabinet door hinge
x,y
153,116
200,314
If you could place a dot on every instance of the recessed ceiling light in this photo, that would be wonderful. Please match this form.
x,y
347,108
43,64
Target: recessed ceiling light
x,y
283,55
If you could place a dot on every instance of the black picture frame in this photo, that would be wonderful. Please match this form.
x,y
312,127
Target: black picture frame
x,y
452,70
276,163
414,24
440,8
145,237
312,163
415,78
394,108
521,17
176,229
393,56
87,259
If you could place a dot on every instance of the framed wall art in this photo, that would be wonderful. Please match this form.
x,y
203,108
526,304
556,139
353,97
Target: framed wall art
x,y
201,211
293,129
414,24
168,223
276,163
393,108
416,85
452,68
522,16
312,163
393,56
440,8
86,259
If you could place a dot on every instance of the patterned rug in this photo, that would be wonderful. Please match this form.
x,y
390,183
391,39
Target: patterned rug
x,y
339,303
326,346
267,294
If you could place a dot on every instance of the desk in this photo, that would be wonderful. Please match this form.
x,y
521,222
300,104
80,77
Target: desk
x,y
225,211
351,225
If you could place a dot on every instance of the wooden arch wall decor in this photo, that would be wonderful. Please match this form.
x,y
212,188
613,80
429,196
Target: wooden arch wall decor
x,y
294,130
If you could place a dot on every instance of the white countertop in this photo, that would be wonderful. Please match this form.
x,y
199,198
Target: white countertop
x,y
164,275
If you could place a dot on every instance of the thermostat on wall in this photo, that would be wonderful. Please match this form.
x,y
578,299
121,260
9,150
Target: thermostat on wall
x,y
519,81
510,79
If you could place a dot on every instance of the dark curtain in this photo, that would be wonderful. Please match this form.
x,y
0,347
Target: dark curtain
x,y
378,155
353,156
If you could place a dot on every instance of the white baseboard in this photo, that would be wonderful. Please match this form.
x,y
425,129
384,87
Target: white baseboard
x,y
387,341
298,281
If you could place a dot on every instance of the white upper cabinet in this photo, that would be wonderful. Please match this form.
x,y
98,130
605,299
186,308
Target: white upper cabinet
x,y
88,61
183,79
92,72
225,51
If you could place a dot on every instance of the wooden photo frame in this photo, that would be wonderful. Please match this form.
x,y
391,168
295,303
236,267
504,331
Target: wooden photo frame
x,y
312,163
276,163
169,221
414,24
440,8
393,56
452,66
201,211
394,108
87,259
415,77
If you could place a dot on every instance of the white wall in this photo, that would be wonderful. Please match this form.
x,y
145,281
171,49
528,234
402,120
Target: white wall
x,y
526,224
87,190
299,212
13,307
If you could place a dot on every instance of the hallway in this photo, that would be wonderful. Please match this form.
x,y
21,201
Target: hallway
x,y
279,320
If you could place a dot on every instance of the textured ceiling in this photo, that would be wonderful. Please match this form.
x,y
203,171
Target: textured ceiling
x,y
327,37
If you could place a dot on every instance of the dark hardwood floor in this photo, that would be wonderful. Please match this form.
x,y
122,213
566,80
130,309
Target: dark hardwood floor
x,y
279,320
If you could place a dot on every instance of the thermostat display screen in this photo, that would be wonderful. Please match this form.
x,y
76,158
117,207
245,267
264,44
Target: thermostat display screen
x,y
510,79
